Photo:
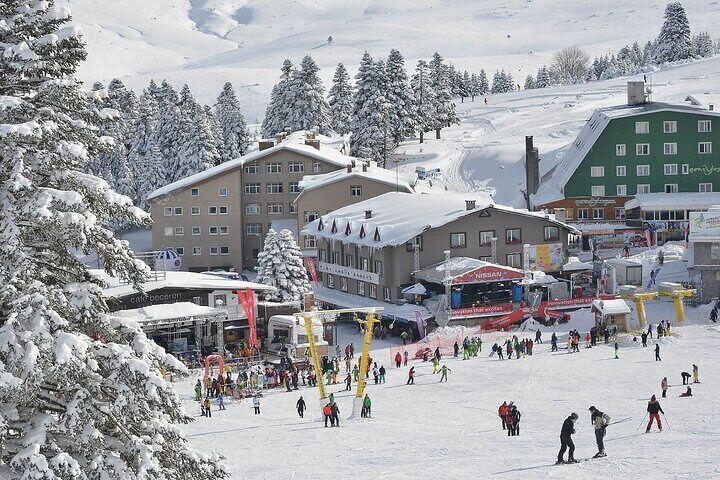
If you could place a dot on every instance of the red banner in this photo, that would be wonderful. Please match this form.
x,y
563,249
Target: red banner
x,y
247,300
311,268
488,274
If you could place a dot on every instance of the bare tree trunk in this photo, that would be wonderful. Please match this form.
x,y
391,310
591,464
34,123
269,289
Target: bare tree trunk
x,y
421,136
437,134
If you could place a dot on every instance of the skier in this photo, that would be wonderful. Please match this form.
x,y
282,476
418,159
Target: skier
x,y
198,390
653,408
334,416
600,421
301,406
688,393
553,343
327,413
664,386
695,374
568,428
348,382
643,337
367,404
443,375
515,414
221,401
657,352
398,360
206,405
456,350
382,374
256,404
502,413
405,358
538,336
411,376
616,350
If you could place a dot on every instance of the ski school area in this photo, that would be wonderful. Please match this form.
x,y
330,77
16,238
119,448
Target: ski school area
x,y
432,429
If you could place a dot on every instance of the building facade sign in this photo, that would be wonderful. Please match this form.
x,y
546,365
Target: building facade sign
x,y
704,226
546,257
488,274
595,202
348,272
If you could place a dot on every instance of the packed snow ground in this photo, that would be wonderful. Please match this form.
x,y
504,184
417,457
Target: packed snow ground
x,y
451,430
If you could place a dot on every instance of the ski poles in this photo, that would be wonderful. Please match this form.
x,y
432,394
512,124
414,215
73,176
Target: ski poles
x,y
666,422
641,422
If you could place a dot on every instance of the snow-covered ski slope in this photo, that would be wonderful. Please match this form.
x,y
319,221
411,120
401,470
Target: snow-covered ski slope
x,y
207,42
451,430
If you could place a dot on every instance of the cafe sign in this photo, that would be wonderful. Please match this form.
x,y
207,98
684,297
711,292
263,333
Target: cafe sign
x,y
348,272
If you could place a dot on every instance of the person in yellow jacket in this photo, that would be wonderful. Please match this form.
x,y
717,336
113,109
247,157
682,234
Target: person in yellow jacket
x,y
206,407
436,364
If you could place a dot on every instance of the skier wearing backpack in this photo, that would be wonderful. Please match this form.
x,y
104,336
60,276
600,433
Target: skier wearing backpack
x,y
568,428
600,421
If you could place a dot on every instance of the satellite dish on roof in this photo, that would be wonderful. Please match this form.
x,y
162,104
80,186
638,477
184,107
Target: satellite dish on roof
x,y
168,260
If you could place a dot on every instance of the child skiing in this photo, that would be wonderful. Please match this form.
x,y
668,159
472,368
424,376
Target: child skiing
x,y
443,375
411,376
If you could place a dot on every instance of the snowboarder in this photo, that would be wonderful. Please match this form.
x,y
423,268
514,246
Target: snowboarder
x,y
696,379
502,413
688,393
398,360
653,408
685,377
568,428
256,404
657,352
411,376
198,390
664,386
600,421
443,375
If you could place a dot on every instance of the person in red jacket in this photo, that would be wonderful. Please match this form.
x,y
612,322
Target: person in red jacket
x,y
502,413
411,376
510,420
653,408
398,360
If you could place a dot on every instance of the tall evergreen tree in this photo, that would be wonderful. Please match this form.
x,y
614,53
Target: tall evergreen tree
x,y
308,108
277,111
529,82
198,151
370,111
475,88
170,129
81,391
340,101
399,96
150,174
141,134
280,264
424,98
484,84
235,137
543,77
674,41
443,97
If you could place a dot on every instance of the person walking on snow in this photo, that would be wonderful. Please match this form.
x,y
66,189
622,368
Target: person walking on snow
x,y
398,360
443,375
538,336
405,358
221,401
335,415
653,408
381,378
327,413
616,350
456,350
367,405
696,379
600,421
502,413
206,406
301,407
436,364
256,404
411,376
348,382
568,428
657,352
198,390
650,330
356,373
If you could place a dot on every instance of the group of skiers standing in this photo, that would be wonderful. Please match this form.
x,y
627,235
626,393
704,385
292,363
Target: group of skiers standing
x,y
599,421
510,418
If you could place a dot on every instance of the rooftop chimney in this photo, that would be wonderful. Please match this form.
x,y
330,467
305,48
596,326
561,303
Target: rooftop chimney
x,y
469,204
636,92
313,143
349,168
711,106
310,136
365,167
280,137
368,213
265,144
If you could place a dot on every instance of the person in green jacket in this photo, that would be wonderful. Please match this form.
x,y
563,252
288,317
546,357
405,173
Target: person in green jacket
x,y
404,335
331,399
367,404
356,373
443,375
198,391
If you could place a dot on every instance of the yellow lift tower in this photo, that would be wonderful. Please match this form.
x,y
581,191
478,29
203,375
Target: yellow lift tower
x,y
677,292
640,298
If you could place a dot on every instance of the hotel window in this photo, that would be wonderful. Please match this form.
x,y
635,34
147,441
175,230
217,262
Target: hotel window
x,y
643,170
222,192
704,148
582,214
212,210
343,284
322,254
551,234
250,169
194,192
224,230
296,167
196,231
169,231
513,235
213,230
350,260
336,258
168,211
457,240
598,213
685,168
364,264
379,267
513,260
178,211
275,208
317,167
671,188
486,237
642,127
620,150
621,170
622,189
274,188
643,188
214,250
223,210
670,148
311,242
619,213
293,208
224,250
311,216
373,291
180,251
386,294
597,190
597,171
355,190
274,168
179,231
252,188
194,210
642,149
330,281
253,229
670,127
705,187
294,187
670,169
252,209
197,251
361,288
410,246
704,126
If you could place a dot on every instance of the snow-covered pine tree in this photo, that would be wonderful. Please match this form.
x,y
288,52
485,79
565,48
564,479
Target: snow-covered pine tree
x,y
169,130
81,392
484,84
474,86
509,81
215,129
280,264
636,55
141,135
235,137
542,80
399,96
369,118
198,152
340,101
424,98
150,174
674,41
465,85
278,109
529,82
702,45
498,84
308,107
126,102
446,115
